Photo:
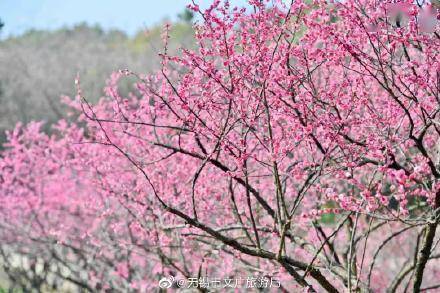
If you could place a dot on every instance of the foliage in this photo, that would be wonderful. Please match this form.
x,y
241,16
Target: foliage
x,y
186,16
39,67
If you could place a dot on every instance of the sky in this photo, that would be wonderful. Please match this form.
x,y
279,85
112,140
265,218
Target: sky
x,y
127,15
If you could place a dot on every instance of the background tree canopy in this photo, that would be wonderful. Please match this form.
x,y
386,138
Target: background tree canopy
x,y
39,67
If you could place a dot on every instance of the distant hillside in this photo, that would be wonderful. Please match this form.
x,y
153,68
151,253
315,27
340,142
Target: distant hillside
x,y
40,66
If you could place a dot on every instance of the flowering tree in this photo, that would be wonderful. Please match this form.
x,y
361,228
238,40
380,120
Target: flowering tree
x,y
298,141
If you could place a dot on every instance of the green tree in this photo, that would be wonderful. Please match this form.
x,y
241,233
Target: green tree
x,y
186,16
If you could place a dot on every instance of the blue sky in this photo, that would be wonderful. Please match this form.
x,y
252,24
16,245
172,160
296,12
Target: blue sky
x,y
128,15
